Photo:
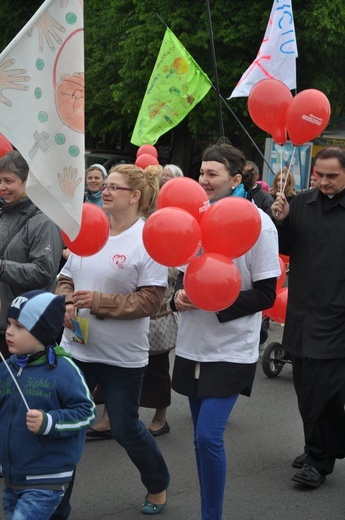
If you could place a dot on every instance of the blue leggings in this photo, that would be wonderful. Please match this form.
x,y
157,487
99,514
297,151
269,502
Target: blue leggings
x,y
210,415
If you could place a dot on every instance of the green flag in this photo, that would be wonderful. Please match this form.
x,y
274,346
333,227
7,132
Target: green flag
x,y
176,85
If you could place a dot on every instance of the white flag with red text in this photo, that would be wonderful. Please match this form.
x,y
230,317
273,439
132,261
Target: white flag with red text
x,y
42,108
277,55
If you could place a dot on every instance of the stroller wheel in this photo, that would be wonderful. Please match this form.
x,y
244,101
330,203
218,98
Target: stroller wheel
x,y
272,363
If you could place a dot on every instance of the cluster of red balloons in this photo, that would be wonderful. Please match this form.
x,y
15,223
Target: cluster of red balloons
x,y
147,155
185,229
93,234
273,109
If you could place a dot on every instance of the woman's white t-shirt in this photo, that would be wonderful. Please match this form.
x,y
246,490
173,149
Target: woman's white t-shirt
x,y
201,337
121,266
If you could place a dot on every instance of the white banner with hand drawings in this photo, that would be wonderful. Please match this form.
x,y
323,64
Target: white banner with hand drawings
x,y
42,108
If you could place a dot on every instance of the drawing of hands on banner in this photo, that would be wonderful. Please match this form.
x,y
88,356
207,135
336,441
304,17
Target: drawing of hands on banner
x,y
46,26
68,181
11,79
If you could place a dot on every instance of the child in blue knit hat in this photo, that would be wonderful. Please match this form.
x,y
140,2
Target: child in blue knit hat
x,y
43,422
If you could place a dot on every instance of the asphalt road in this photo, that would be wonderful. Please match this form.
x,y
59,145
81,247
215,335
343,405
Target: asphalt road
x,y
263,436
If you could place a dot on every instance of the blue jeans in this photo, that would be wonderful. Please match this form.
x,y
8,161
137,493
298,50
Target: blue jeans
x,y
210,415
63,510
30,504
122,389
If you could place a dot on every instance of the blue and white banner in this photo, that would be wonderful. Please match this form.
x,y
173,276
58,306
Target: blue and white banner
x,y
277,55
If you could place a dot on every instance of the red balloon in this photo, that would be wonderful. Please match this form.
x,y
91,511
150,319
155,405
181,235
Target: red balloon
x,y
149,149
212,282
282,277
285,258
172,236
278,311
307,115
145,160
184,193
5,145
93,234
230,227
268,103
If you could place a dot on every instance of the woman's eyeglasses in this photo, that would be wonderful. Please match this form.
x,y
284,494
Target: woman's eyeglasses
x,y
113,187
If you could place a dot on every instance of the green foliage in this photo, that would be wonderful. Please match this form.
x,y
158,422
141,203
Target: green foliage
x,y
320,36
238,29
123,37
14,15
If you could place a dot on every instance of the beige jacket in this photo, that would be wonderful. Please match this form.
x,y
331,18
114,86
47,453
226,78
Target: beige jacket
x,y
146,301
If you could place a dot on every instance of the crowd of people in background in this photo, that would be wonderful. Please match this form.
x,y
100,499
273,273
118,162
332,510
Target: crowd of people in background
x,y
122,300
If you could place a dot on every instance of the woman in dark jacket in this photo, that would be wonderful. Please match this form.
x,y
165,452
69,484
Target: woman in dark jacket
x,y
30,243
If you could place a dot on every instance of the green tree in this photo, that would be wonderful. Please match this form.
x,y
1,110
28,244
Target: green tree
x,y
14,15
122,41
132,41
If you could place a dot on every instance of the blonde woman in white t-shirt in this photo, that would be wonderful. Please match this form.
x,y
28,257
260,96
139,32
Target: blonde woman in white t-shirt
x,y
116,291
216,353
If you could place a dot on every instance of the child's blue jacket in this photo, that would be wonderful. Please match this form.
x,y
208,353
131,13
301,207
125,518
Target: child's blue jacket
x,y
61,393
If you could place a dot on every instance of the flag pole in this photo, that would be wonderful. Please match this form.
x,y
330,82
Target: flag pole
x,y
220,98
15,382
218,94
214,61
247,133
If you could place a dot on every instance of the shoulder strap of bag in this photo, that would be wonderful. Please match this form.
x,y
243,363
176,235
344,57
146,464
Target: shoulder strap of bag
x,y
17,229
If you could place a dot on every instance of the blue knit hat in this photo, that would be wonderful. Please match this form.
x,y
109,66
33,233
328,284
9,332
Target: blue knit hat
x,y
41,313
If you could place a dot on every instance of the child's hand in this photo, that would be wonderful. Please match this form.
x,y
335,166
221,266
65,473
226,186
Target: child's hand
x,y
34,420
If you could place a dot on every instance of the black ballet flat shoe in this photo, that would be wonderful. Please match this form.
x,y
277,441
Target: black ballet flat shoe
x,y
161,431
91,433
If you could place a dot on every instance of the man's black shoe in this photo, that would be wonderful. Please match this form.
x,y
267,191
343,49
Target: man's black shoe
x,y
309,476
299,461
